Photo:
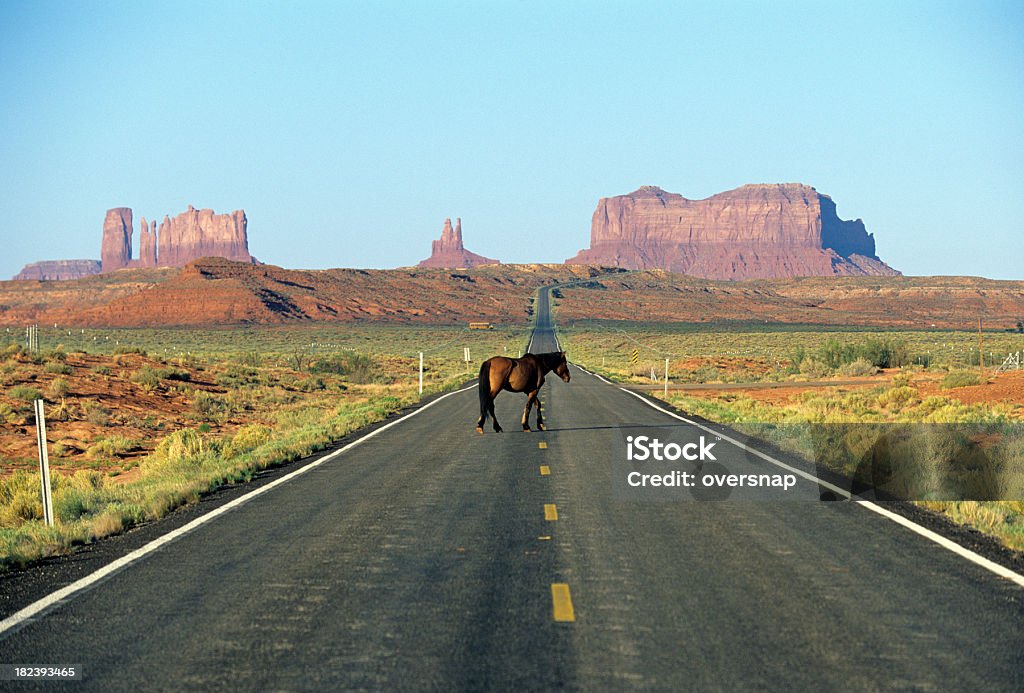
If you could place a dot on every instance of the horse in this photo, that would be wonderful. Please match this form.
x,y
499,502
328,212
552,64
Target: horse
x,y
524,374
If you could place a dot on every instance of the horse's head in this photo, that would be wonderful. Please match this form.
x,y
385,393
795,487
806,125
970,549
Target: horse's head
x,y
562,368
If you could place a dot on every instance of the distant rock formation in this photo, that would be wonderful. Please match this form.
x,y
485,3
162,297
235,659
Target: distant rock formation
x,y
753,232
189,236
448,251
201,233
116,247
147,244
58,270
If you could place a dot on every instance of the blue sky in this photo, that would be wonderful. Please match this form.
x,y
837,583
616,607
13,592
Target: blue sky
x,y
349,131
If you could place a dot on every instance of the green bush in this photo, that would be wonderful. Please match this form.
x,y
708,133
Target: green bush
x,y
58,368
246,439
25,393
355,367
111,446
147,378
183,445
205,404
860,366
959,379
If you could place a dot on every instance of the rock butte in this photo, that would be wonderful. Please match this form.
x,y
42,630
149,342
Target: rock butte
x,y
189,236
752,232
49,270
448,251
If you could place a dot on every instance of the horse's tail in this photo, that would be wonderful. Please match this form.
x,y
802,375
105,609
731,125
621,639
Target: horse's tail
x,y
484,387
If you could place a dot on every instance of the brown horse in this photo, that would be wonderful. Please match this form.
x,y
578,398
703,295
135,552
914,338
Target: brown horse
x,y
524,374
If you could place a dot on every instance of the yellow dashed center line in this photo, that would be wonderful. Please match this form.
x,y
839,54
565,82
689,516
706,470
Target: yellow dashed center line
x,y
542,445
561,602
545,470
550,511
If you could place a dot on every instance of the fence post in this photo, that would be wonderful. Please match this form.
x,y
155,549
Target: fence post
x,y
44,462
666,378
421,372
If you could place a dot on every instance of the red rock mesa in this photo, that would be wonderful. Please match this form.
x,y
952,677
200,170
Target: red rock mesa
x,y
753,232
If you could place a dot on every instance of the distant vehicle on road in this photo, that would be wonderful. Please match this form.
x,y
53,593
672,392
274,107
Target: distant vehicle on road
x,y
481,326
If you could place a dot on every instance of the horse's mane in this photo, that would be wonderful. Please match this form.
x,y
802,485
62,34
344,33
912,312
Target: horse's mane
x,y
551,359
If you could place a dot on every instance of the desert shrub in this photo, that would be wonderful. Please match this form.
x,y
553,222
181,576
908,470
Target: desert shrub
x,y
312,384
129,350
7,414
10,352
355,367
246,439
814,367
171,373
959,379
102,370
182,445
897,397
237,375
253,359
860,366
205,404
58,367
94,413
25,393
110,446
58,389
147,378
20,499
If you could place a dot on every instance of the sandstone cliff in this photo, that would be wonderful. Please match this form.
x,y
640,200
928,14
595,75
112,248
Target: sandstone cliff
x,y
200,233
116,246
448,251
753,232
189,236
51,270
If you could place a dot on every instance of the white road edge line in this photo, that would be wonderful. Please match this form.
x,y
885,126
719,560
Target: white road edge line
x,y
65,594
942,541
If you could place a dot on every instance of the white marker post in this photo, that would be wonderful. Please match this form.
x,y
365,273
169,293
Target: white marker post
x,y
421,372
666,378
44,462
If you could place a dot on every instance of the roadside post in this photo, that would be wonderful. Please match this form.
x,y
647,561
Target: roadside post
x,y
421,372
666,379
44,462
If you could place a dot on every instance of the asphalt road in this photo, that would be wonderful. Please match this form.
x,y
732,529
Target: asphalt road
x,y
424,559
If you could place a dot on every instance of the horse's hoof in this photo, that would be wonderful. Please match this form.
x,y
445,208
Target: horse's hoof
x,y
480,430
497,429
540,427
526,429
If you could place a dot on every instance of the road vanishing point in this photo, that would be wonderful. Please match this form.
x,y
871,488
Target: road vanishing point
x,y
428,557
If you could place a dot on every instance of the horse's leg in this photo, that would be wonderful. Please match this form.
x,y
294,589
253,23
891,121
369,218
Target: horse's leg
x,y
526,412
540,418
494,417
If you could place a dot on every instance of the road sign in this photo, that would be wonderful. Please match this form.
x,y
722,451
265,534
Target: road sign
x,y
635,357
